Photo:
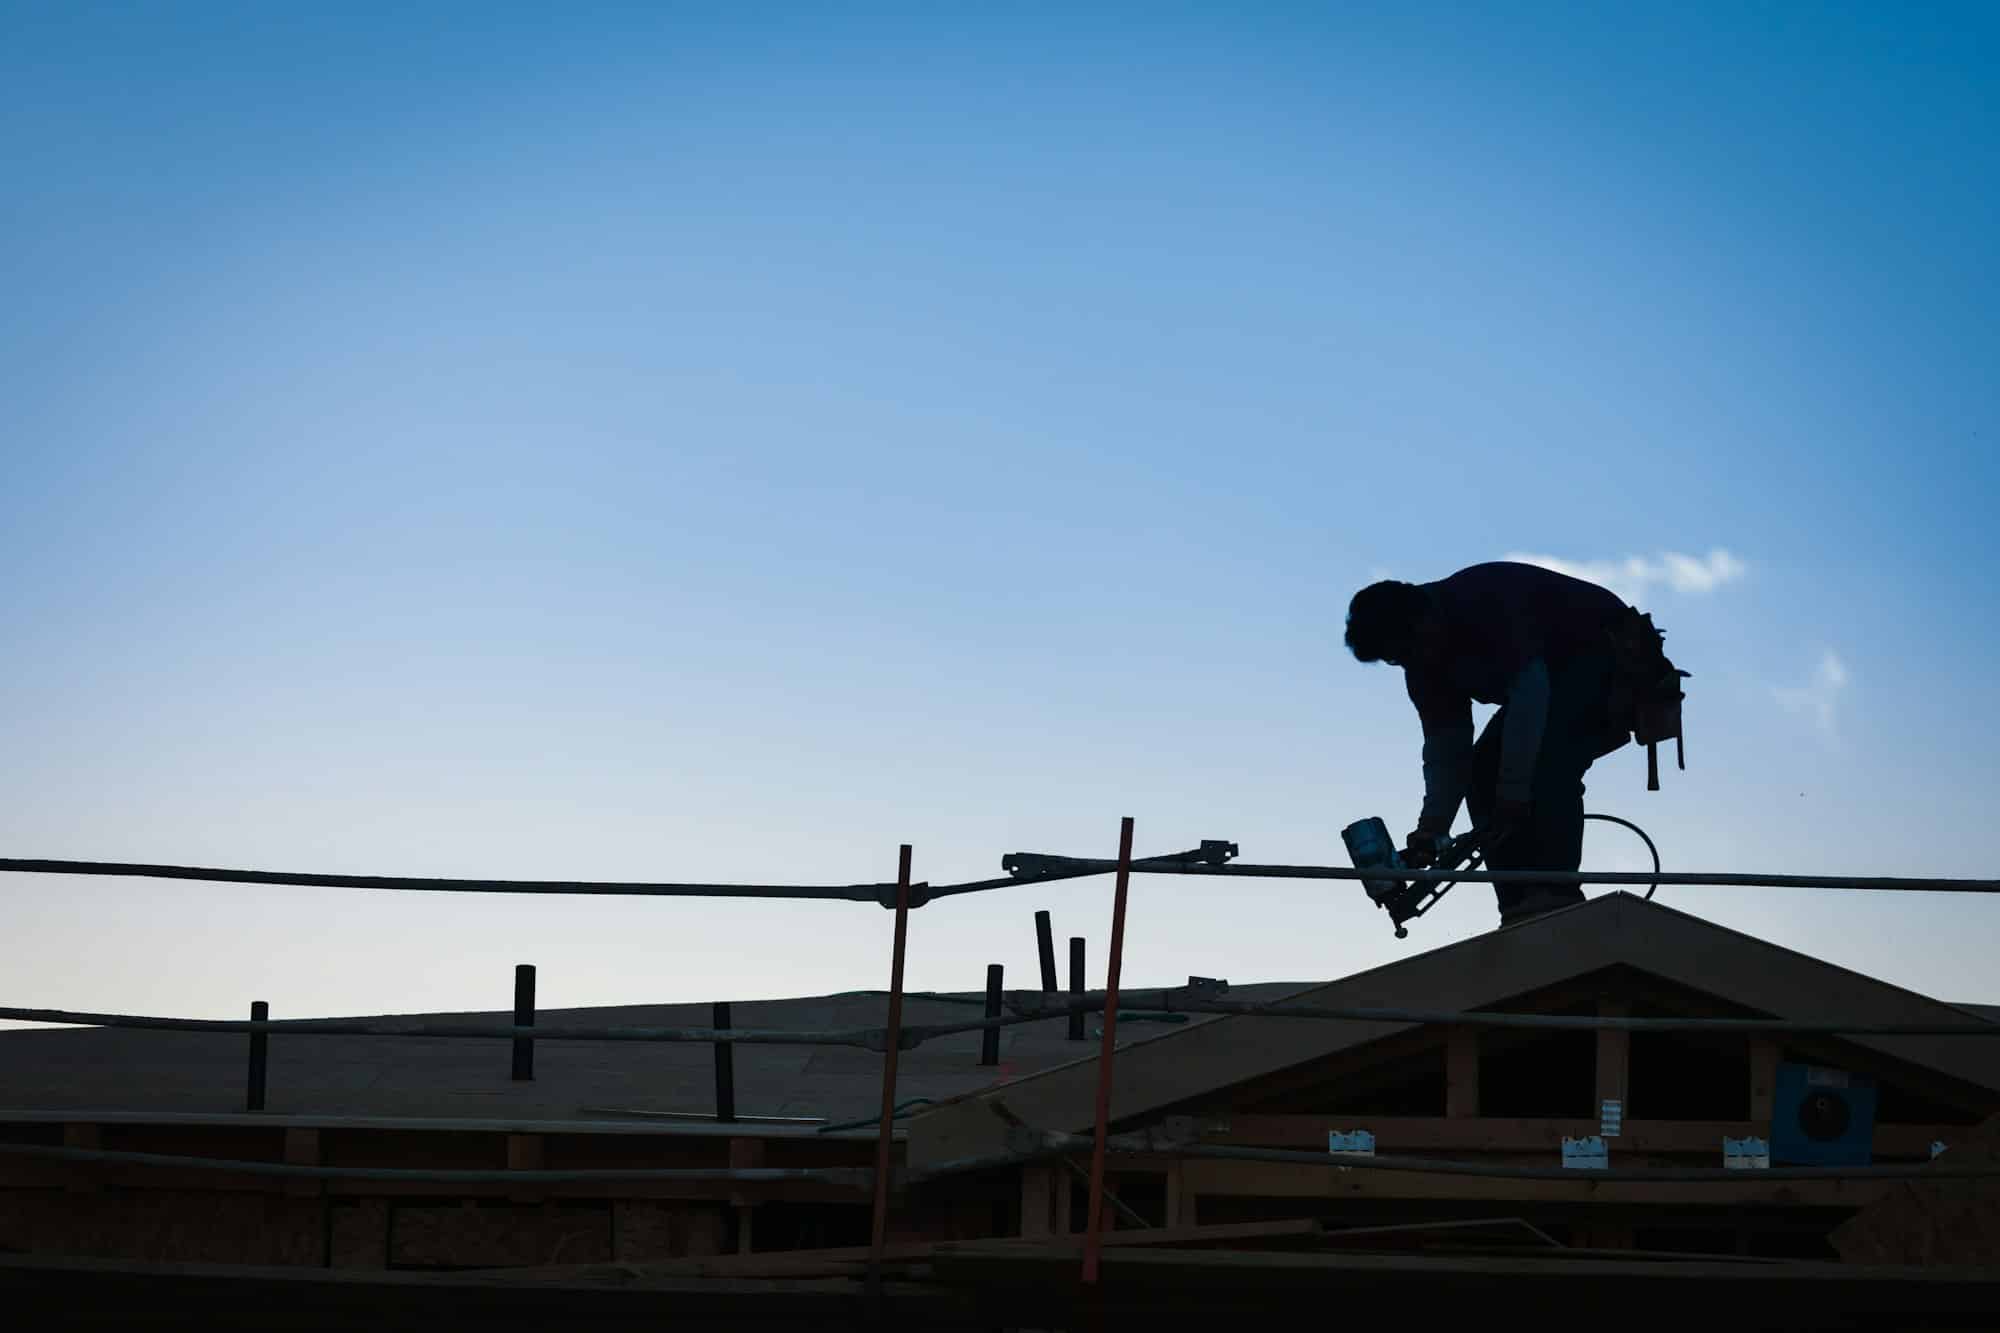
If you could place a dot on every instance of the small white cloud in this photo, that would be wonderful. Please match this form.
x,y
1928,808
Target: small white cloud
x,y
1630,577
1819,698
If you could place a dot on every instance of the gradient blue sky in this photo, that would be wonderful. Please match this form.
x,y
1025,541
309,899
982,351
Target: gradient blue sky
x,y
676,442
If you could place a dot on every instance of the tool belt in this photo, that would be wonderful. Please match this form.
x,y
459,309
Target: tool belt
x,y
1646,692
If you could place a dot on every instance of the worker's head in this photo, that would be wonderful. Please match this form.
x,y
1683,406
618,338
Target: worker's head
x,y
1392,622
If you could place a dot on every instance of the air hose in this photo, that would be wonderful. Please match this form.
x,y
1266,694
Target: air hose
x,y
1651,889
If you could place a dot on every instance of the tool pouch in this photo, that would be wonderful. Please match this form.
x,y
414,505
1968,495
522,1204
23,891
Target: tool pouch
x,y
1646,690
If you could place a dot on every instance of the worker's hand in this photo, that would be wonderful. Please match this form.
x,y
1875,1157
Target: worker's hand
x,y
1423,847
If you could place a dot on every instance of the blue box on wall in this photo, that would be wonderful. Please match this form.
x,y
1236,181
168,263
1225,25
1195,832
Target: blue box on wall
x,y
1822,1117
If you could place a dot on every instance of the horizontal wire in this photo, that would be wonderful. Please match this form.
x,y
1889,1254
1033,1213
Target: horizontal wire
x,y
1047,869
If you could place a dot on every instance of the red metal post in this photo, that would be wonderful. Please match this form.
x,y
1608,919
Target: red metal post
x,y
1093,1241
878,1236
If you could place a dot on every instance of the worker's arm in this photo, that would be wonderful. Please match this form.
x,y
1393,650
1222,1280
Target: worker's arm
x,y
1521,737
1447,719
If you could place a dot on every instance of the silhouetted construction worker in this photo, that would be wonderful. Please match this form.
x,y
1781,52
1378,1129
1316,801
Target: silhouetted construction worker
x,y
1553,652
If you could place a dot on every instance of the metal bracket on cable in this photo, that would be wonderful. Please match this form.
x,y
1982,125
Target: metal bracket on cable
x,y
1040,865
920,893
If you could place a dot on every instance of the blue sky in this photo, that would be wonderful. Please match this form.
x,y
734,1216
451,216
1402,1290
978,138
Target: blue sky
x,y
677,442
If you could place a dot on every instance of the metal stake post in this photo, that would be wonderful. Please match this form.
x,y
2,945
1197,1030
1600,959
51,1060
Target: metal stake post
x,y
1093,1240
989,1040
1076,986
725,1066
253,1097
524,1017
1045,946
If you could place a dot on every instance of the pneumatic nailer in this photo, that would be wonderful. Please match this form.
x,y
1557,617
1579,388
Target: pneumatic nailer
x,y
1369,847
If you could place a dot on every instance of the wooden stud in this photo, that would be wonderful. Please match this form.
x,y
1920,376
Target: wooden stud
x,y
1461,1073
1614,1055
1178,1213
1764,1059
525,1153
1038,1202
302,1149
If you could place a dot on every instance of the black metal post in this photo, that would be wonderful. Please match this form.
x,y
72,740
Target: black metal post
x,y
524,1017
1045,945
725,1067
1076,985
253,1098
989,1039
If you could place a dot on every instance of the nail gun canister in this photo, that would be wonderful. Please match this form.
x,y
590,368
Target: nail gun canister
x,y
1370,848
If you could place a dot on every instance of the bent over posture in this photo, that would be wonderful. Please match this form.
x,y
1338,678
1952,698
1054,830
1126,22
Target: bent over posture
x,y
1539,644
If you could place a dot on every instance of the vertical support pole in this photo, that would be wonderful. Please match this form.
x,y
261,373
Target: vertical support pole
x,y
878,1236
253,1096
524,1017
989,1038
1093,1240
1076,986
725,1066
1045,948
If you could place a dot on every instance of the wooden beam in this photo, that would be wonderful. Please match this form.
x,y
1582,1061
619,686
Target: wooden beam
x,y
1461,1073
1614,1054
1402,1134
1284,1180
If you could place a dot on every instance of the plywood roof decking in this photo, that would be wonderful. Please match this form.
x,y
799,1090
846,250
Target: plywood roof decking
x,y
1610,931
111,1069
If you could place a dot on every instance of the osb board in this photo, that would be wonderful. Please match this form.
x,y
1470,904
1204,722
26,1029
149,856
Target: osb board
x,y
1932,1222
163,1226
498,1236
643,1229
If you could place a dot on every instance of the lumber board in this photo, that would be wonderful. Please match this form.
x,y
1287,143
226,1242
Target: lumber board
x,y
1527,1135
1279,1180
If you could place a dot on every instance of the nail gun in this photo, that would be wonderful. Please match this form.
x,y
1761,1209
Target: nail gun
x,y
1370,848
